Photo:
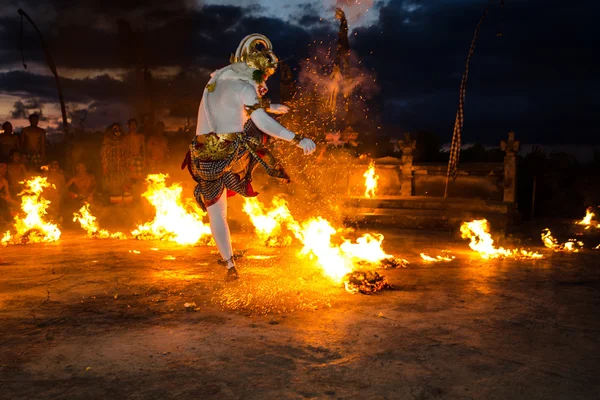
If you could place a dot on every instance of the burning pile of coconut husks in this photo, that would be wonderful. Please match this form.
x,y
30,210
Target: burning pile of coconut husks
x,y
341,260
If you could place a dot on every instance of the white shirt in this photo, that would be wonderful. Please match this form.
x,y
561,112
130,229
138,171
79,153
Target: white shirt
x,y
226,106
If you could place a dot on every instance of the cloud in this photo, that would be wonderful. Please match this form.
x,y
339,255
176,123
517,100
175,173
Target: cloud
x,y
538,77
25,109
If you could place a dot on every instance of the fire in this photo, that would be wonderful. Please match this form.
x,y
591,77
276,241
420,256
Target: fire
x,y
173,220
317,234
89,223
427,258
481,241
551,243
33,228
268,223
370,181
587,220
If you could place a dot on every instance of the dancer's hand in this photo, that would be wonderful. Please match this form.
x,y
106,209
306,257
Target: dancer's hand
x,y
278,109
308,146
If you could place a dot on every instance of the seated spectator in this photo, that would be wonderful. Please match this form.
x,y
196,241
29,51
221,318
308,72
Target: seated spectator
x,y
82,186
6,200
55,194
16,172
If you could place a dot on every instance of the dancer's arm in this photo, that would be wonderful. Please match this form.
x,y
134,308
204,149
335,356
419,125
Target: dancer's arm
x,y
265,123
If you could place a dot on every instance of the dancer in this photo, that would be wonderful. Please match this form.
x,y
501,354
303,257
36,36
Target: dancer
x,y
230,136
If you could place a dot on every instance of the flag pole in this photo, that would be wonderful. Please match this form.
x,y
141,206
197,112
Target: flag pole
x,y
458,123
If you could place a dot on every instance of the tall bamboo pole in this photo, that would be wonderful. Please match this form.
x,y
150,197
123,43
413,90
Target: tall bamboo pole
x,y
52,66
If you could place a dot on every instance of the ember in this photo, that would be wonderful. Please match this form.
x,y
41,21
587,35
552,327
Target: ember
x,y
552,243
481,241
173,221
371,180
32,228
89,223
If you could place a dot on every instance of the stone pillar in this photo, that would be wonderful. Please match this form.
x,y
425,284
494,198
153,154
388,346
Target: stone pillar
x,y
407,145
510,167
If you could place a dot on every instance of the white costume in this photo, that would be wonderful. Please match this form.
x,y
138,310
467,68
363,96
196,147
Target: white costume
x,y
229,143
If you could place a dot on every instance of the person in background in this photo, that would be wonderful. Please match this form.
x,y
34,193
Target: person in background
x,y
115,153
82,186
33,143
8,141
157,148
16,172
6,200
137,150
56,177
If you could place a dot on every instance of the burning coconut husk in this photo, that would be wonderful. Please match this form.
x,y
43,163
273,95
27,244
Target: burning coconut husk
x,y
336,260
173,221
477,231
32,228
550,242
366,282
89,224
371,180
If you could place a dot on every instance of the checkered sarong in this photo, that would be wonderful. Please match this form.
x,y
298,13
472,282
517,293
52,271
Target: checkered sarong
x,y
234,172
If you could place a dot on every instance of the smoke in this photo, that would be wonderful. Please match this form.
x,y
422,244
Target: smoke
x,y
355,10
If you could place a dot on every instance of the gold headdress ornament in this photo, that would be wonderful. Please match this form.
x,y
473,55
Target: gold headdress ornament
x,y
263,60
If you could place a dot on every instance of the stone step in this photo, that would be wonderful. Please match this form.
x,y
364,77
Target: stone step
x,y
430,203
425,218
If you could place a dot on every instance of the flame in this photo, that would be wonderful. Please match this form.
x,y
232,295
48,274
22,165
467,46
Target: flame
x,y
316,235
481,241
33,228
370,181
89,223
427,258
267,223
587,220
551,243
173,220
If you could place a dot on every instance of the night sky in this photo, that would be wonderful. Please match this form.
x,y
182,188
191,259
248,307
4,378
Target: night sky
x,y
534,69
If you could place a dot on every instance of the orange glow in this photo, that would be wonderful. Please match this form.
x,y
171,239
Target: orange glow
x,y
481,241
173,220
89,224
427,258
32,228
551,243
371,180
317,236
587,220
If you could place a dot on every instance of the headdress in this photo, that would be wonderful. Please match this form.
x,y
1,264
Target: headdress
x,y
263,60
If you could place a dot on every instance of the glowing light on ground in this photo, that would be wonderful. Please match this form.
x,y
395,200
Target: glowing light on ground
x,y
371,180
480,240
32,228
427,258
89,224
173,221
552,243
